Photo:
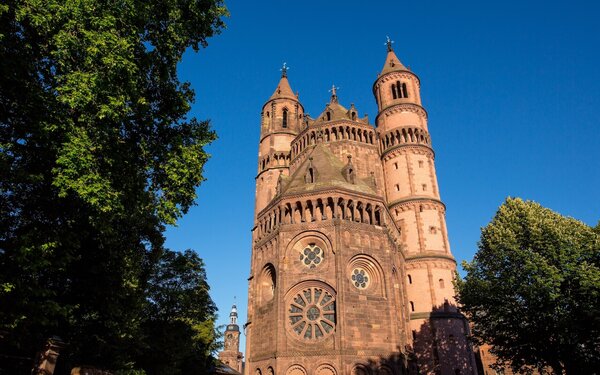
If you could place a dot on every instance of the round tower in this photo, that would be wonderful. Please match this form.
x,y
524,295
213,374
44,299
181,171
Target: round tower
x,y
437,330
281,120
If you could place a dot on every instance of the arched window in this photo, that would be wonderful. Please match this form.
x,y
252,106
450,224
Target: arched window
x,y
310,176
412,306
394,93
353,116
404,90
328,116
409,279
441,281
285,118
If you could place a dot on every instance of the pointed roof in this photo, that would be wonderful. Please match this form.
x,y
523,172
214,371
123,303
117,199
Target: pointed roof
x,y
330,169
283,90
392,62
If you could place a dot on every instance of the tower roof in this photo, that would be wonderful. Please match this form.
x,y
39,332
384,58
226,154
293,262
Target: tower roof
x,y
283,90
392,62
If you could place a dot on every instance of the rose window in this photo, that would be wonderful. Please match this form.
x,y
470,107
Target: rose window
x,y
312,313
311,256
360,278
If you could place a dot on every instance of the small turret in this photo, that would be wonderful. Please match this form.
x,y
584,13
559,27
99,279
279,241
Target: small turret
x,y
282,118
233,315
396,83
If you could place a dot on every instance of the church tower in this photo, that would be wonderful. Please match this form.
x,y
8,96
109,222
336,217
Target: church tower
x,y
281,119
437,330
351,271
231,355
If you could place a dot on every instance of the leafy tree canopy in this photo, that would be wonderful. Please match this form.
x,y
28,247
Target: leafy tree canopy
x,y
533,289
97,155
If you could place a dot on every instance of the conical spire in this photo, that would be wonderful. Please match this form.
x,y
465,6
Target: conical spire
x,y
392,62
283,90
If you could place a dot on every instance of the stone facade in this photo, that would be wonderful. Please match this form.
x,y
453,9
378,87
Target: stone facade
x,y
351,269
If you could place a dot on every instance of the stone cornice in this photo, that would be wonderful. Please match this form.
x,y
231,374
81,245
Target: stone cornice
x,y
397,149
332,123
396,73
283,99
401,107
327,191
276,132
405,145
429,256
268,169
416,199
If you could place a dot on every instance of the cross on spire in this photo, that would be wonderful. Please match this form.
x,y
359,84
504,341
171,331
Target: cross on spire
x,y
389,43
284,70
333,90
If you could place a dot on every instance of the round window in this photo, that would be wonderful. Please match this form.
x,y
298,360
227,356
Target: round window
x,y
312,313
311,256
360,278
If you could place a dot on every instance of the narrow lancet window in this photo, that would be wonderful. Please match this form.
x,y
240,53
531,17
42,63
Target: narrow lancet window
x,y
285,118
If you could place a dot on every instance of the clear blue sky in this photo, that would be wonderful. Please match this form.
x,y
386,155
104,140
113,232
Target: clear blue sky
x,y
512,90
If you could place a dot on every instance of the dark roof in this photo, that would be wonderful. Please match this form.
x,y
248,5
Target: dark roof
x,y
328,169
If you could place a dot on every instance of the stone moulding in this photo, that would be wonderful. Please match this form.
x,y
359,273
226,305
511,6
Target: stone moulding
x,y
401,107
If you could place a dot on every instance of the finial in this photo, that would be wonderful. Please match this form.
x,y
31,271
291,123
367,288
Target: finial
x,y
333,91
389,43
284,70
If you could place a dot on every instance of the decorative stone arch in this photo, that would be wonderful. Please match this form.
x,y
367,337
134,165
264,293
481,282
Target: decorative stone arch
x,y
363,266
266,283
270,371
360,369
295,370
325,369
304,239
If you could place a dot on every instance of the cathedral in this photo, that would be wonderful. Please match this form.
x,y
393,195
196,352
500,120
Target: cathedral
x,y
351,270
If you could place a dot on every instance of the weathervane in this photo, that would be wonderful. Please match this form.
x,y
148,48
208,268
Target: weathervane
x,y
389,43
284,69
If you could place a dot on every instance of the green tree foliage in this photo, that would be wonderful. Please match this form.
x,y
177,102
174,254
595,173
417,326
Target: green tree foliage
x,y
533,290
97,155
180,317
